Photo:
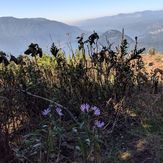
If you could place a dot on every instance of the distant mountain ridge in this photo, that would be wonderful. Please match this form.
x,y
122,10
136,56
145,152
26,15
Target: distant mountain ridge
x,y
16,34
148,19
147,25
114,37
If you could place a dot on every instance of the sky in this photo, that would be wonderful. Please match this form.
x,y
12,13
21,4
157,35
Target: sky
x,y
69,11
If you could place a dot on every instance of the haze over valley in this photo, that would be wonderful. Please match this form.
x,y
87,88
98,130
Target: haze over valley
x,y
16,34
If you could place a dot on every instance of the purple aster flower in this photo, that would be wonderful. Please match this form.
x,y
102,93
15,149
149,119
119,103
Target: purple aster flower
x,y
99,124
96,110
85,107
45,112
59,111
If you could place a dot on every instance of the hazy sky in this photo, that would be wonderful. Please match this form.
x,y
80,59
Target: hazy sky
x,y
73,10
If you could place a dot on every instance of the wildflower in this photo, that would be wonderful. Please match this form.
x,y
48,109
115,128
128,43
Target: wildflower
x,y
59,111
96,110
85,107
99,124
45,112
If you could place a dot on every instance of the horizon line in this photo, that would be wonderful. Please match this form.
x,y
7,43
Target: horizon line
x,y
71,22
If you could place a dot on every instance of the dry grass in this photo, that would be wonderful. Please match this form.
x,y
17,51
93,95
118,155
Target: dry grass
x,y
153,61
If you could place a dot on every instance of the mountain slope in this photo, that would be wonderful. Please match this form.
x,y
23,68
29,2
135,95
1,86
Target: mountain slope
x,y
140,22
147,25
17,34
114,37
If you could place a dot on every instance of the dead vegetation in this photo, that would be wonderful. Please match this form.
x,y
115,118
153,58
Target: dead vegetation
x,y
99,105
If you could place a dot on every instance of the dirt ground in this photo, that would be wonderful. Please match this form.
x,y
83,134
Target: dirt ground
x,y
153,61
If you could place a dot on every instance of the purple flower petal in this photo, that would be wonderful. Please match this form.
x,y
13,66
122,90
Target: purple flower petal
x,y
99,124
45,112
59,111
85,107
96,110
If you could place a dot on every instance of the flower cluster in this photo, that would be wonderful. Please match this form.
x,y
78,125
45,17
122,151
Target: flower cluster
x,y
86,108
47,111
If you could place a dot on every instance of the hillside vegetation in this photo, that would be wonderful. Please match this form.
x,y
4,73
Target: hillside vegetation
x,y
96,106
